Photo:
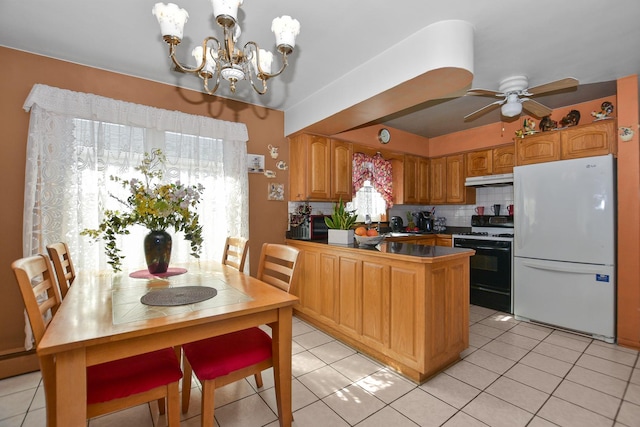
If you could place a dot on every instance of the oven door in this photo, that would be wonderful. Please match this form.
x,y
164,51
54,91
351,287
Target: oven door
x,y
490,272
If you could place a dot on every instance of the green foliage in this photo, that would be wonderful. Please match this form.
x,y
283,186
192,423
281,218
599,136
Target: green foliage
x,y
154,205
341,218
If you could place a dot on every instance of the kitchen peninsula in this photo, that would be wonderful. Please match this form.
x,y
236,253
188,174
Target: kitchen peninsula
x,y
406,305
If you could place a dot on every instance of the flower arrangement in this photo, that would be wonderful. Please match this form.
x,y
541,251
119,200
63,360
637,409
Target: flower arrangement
x,y
155,205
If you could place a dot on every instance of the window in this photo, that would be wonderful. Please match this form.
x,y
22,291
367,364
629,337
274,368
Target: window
x,y
372,186
76,145
367,201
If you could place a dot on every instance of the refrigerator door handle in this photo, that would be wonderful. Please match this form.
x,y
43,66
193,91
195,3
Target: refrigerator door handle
x,y
566,267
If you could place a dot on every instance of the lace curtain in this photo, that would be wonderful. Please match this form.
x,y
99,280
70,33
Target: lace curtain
x,y
378,171
78,140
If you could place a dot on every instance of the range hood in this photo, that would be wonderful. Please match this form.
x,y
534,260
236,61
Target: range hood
x,y
489,180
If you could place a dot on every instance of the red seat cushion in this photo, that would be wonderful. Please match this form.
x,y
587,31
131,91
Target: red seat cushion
x,y
125,377
214,357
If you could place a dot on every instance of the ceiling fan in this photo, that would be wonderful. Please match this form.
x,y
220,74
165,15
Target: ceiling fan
x,y
515,92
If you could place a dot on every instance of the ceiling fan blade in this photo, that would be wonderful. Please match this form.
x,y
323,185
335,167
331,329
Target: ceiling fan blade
x,y
553,86
484,92
535,108
483,110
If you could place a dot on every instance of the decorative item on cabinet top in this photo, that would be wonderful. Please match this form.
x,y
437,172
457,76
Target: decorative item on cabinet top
x,y
626,133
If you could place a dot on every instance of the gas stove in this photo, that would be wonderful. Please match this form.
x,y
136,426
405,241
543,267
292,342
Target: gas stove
x,y
490,227
487,233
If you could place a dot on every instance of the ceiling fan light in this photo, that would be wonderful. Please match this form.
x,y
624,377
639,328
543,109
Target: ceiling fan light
x,y
511,109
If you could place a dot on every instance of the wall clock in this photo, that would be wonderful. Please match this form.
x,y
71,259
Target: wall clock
x,y
384,136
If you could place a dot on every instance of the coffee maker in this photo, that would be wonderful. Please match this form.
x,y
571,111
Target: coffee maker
x,y
396,224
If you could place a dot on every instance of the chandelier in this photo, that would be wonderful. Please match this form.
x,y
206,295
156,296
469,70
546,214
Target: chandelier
x,y
217,59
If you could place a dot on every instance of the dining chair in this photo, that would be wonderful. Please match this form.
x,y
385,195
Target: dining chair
x,y
228,358
111,386
63,265
235,252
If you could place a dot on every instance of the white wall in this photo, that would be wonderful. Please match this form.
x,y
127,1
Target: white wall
x,y
456,215
460,215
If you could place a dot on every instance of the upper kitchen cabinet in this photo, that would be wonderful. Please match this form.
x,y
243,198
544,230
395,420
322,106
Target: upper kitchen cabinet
x,y
480,163
595,139
457,193
538,148
447,175
494,161
438,180
320,168
411,180
504,159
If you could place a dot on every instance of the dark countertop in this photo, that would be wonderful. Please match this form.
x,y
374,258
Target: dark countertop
x,y
423,251
399,249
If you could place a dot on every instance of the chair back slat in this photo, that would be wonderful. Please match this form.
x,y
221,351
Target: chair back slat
x,y
63,265
39,291
235,252
278,265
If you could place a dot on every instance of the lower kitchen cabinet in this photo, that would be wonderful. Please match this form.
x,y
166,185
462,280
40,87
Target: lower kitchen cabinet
x,y
411,315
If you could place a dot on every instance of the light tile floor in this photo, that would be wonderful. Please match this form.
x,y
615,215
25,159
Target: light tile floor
x,y
513,374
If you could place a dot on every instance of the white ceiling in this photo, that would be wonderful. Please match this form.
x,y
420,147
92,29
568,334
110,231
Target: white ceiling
x,y
593,41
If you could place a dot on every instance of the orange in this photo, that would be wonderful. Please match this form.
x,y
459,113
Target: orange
x,y
372,232
361,231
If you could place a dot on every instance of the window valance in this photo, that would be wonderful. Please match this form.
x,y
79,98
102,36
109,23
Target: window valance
x,y
95,107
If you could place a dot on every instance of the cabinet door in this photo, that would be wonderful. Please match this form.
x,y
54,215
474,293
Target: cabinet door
x,y
406,311
479,163
375,304
455,188
309,171
423,181
341,170
350,296
319,167
319,295
438,181
410,180
426,240
442,240
594,139
504,159
543,147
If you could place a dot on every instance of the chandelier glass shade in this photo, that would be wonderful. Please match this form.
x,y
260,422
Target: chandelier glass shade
x,y
216,60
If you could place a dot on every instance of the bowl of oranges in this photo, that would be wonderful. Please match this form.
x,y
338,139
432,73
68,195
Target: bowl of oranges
x,y
367,236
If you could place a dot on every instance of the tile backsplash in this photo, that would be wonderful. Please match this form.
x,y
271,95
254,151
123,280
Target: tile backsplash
x,y
460,215
456,215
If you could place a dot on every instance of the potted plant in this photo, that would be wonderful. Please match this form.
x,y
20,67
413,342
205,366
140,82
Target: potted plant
x,y
340,224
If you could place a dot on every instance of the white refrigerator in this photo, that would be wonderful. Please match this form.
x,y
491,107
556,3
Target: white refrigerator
x,y
564,245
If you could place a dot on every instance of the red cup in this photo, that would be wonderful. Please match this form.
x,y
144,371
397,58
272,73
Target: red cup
x,y
510,209
480,210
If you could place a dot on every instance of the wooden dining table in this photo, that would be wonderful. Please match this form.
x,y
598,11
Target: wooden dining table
x,y
102,319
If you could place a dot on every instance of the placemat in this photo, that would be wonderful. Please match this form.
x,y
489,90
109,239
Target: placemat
x,y
144,274
181,295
